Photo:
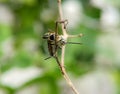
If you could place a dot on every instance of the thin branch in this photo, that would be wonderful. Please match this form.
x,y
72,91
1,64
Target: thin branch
x,y
63,55
61,16
63,30
63,71
61,63
74,36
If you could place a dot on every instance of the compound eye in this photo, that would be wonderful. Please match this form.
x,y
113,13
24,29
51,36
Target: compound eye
x,y
52,37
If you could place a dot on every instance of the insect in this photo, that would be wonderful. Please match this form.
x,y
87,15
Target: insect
x,y
55,40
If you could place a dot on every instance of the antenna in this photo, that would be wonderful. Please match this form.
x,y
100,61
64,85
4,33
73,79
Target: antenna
x,y
74,43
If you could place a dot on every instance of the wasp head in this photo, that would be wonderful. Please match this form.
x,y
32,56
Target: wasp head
x,y
49,36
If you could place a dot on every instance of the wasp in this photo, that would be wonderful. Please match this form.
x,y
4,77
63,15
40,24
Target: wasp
x,y
56,41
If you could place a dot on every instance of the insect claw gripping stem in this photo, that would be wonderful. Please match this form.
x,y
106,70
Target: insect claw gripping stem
x,y
63,21
65,24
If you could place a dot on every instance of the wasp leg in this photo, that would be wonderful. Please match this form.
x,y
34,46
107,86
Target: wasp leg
x,y
65,24
63,21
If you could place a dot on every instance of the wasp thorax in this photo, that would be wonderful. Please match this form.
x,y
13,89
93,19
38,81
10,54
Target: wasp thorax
x,y
61,41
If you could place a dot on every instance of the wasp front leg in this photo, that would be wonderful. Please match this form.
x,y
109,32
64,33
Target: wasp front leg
x,y
65,22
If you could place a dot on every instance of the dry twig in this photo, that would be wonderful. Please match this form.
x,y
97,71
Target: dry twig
x,y
61,62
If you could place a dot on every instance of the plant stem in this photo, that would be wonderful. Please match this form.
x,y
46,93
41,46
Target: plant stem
x,y
61,63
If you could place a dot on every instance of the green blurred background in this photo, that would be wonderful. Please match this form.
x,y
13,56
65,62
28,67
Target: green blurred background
x,y
93,67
